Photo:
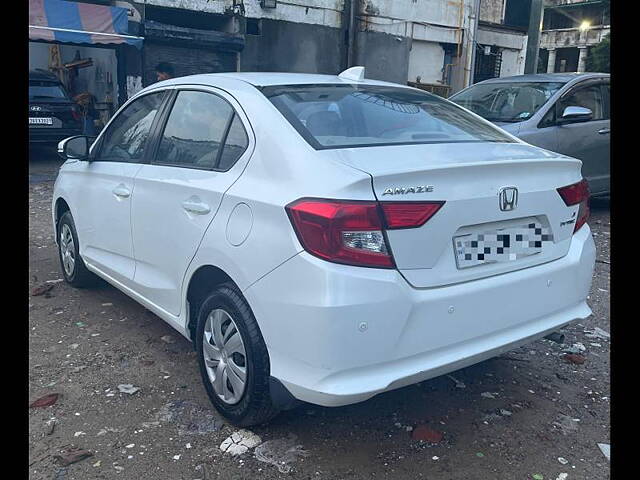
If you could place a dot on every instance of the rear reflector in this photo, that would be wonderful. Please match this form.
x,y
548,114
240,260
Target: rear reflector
x,y
351,231
575,194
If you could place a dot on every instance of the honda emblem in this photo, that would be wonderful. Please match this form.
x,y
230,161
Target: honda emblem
x,y
508,198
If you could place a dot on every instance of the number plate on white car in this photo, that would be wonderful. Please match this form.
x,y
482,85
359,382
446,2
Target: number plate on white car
x,y
500,245
40,121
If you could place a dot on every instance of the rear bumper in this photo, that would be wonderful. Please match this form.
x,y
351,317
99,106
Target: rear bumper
x,y
338,335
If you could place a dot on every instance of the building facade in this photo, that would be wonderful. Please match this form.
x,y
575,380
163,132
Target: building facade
x,y
501,39
570,28
438,45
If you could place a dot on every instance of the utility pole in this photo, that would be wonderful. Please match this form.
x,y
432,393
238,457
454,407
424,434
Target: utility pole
x,y
351,41
533,42
474,43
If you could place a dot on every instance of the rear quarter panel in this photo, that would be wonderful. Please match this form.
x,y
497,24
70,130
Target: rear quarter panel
x,y
282,168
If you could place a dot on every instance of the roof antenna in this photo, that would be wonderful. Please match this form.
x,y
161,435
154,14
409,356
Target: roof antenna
x,y
353,73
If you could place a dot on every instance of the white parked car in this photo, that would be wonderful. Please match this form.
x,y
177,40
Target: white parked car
x,y
324,238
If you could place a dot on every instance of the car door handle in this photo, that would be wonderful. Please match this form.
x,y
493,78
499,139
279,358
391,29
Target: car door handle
x,y
197,208
604,131
121,191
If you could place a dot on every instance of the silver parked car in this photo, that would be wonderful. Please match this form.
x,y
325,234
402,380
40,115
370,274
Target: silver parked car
x,y
566,113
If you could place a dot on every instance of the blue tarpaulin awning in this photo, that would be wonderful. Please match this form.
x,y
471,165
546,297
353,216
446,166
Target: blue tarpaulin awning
x,y
73,22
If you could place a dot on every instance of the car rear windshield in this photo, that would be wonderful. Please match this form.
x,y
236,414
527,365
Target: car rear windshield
x,y
506,102
40,89
346,115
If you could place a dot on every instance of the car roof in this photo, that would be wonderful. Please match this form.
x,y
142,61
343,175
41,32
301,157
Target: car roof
x,y
546,77
264,79
44,75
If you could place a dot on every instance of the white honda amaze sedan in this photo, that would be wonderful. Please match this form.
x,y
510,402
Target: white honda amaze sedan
x,y
324,238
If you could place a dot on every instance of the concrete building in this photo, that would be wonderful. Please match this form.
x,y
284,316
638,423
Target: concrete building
x,y
570,28
501,41
431,44
427,42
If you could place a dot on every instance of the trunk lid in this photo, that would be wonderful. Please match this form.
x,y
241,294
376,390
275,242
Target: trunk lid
x,y
468,177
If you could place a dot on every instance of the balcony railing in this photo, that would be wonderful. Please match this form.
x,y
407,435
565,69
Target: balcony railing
x,y
573,37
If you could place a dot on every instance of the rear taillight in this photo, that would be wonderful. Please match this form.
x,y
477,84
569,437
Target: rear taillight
x,y
352,232
575,194
408,214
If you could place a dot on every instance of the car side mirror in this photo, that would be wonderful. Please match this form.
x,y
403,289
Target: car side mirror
x,y
575,115
74,148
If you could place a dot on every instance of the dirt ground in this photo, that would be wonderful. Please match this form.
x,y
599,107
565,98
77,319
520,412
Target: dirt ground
x,y
527,414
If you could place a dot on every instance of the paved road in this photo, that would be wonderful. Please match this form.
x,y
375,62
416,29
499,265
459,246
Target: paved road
x,y
516,415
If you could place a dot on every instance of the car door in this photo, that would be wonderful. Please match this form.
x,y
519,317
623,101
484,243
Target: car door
x,y
587,141
104,192
199,144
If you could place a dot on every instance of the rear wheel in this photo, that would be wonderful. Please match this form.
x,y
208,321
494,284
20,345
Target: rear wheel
x,y
233,358
73,268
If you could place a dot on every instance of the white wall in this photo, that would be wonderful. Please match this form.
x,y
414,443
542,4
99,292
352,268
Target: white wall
x,y
209,6
501,39
426,60
513,46
429,20
318,12
492,10
512,62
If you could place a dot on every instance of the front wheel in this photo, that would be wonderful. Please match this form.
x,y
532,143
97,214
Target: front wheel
x,y
73,268
233,358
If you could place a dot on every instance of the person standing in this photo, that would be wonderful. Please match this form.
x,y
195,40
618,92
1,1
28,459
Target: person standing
x,y
88,113
164,71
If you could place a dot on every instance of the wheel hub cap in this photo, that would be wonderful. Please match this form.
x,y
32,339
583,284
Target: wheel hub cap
x,y
67,250
224,356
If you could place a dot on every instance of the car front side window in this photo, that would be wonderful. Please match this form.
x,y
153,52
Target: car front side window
x,y
587,97
127,136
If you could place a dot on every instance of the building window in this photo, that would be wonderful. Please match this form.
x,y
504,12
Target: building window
x,y
487,65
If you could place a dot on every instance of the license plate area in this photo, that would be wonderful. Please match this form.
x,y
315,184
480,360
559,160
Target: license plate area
x,y
40,121
500,244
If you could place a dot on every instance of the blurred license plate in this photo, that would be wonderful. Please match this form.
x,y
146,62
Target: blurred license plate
x,y
500,245
41,121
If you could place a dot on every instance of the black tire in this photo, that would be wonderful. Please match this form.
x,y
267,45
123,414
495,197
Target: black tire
x,y
80,277
255,406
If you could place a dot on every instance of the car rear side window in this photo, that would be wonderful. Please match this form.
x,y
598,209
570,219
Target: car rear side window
x,y
345,115
235,144
195,131
126,137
